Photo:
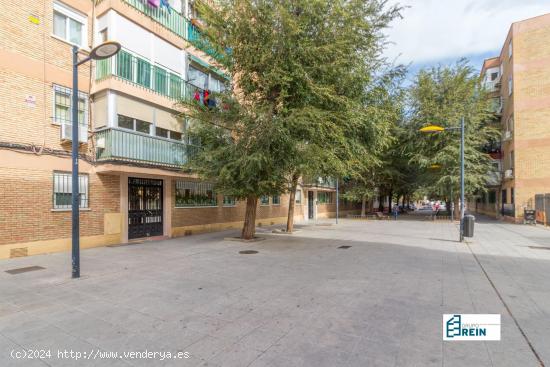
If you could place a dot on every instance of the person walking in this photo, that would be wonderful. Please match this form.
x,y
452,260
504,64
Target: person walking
x,y
395,211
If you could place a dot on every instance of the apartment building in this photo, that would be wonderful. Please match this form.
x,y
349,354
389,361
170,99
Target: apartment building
x,y
132,144
519,81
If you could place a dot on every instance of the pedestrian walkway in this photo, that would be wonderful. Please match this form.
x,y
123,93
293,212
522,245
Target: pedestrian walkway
x,y
360,293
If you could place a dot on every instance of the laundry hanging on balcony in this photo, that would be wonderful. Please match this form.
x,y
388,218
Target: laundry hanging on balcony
x,y
153,3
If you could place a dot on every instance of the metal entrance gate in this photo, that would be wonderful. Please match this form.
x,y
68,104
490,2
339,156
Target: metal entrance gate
x,y
144,207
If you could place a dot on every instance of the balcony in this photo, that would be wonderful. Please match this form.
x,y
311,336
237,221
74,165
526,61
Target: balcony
x,y
139,71
176,23
114,144
320,182
199,41
171,20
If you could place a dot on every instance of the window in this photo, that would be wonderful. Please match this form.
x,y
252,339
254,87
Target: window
x,y
161,80
512,195
175,135
264,200
62,190
324,197
510,85
276,200
504,196
510,49
298,196
494,76
143,127
195,194
163,133
62,100
510,124
103,35
229,200
125,122
511,160
197,77
69,25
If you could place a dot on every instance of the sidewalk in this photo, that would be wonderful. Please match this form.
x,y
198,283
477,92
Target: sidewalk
x,y
300,301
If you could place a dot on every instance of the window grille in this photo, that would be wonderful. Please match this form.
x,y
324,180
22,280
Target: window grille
x,y
192,194
62,190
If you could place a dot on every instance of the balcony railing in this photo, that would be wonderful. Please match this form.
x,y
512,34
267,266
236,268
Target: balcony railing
x,y
328,183
139,71
175,22
114,144
199,41
172,20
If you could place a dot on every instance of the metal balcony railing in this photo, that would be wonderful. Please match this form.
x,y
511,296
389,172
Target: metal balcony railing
x,y
115,144
139,71
175,22
329,183
172,20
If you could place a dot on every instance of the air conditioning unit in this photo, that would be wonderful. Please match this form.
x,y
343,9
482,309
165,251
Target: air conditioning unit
x,y
67,133
507,135
509,173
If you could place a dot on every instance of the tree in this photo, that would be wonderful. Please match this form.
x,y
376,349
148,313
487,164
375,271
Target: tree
x,y
443,95
301,71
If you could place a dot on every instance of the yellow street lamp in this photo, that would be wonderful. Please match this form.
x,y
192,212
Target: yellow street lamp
x,y
438,129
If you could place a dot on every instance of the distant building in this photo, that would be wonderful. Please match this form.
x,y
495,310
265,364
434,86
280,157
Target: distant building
x,y
519,81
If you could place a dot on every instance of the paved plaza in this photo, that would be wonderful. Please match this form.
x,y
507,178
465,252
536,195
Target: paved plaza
x,y
300,301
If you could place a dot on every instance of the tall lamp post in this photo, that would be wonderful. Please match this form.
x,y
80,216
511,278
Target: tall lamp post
x,y
438,129
100,52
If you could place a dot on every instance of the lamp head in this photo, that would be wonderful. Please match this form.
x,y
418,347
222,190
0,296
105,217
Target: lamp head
x,y
105,50
432,129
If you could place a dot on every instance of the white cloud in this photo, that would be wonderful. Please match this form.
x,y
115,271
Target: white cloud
x,y
433,30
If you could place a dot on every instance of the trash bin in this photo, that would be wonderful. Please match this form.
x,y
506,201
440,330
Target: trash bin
x,y
468,228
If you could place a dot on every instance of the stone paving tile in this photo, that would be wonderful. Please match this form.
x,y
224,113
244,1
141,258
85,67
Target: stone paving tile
x,y
299,302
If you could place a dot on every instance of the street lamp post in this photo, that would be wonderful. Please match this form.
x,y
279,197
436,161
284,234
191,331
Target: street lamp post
x,y
438,129
100,52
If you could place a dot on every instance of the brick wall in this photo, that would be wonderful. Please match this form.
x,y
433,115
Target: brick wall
x,y
26,202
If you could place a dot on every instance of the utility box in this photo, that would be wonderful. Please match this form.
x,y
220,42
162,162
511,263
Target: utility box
x,y
468,226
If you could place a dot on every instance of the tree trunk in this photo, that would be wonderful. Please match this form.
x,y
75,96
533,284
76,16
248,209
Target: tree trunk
x,y
381,203
364,206
249,227
291,204
390,201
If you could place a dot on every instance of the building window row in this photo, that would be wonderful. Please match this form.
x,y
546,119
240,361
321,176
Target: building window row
x,y
195,194
324,197
144,127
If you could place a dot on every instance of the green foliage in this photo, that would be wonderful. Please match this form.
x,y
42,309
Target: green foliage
x,y
304,75
441,96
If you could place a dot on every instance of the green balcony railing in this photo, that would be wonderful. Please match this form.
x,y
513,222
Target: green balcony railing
x,y
172,20
115,144
139,71
175,22
198,40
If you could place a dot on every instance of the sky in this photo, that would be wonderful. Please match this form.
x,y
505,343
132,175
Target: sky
x,y
442,31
